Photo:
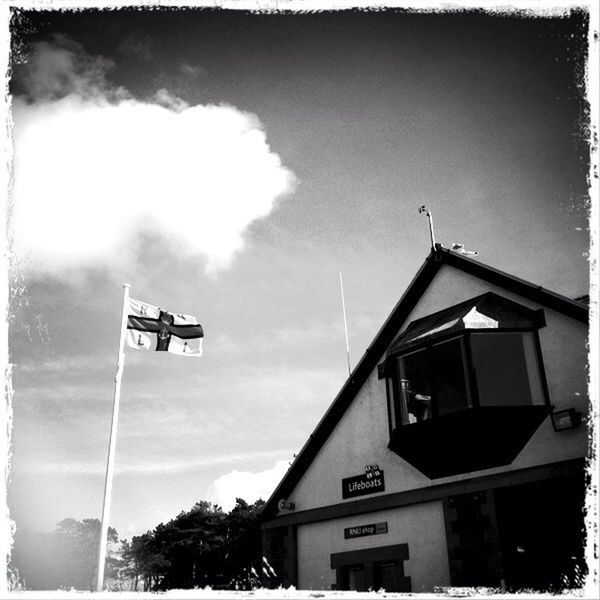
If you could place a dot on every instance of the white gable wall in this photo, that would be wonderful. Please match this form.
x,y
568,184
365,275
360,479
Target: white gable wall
x,y
421,527
362,435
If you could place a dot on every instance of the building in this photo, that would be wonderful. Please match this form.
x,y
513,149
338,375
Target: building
x,y
454,455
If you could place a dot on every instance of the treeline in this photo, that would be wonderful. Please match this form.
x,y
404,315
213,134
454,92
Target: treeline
x,y
62,559
204,546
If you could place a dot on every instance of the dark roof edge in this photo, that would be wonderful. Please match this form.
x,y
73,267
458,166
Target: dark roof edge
x,y
385,336
358,376
537,293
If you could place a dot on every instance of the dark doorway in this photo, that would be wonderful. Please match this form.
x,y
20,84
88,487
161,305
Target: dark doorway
x,y
541,528
372,569
389,576
353,578
472,548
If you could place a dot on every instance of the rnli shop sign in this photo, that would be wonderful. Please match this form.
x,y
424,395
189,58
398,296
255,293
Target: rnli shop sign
x,y
362,530
370,482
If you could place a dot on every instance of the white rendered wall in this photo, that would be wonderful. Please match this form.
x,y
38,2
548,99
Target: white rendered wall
x,y
421,527
362,434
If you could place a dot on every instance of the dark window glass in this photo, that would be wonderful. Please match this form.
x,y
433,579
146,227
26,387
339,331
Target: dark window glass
x,y
394,410
353,578
387,575
449,365
501,369
414,387
437,380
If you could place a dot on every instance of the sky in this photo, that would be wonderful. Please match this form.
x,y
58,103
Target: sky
x,y
229,165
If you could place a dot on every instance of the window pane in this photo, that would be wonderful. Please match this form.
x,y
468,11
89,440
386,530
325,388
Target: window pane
x,y
353,578
501,369
388,576
451,388
395,419
534,369
414,387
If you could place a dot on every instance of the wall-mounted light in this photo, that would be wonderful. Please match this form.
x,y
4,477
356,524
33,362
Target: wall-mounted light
x,y
283,504
565,419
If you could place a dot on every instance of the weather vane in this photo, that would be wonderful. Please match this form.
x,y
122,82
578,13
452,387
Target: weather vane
x,y
459,248
424,209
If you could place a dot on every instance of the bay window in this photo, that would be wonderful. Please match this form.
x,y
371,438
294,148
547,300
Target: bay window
x,y
462,370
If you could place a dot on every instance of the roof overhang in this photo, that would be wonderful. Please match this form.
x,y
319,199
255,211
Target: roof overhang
x,y
488,311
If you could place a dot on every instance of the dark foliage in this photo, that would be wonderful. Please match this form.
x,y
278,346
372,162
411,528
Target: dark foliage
x,y
201,547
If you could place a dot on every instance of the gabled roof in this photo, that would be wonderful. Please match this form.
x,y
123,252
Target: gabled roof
x,y
438,257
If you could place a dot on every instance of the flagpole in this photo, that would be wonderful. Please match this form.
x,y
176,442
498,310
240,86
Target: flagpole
x,y
113,440
345,324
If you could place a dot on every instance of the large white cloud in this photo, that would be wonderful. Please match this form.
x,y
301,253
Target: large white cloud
x,y
247,485
95,169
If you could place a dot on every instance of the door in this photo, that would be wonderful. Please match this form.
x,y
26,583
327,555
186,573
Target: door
x,y
372,569
353,578
388,575
541,528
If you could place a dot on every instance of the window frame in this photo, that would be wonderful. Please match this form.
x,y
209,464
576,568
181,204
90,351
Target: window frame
x,y
392,370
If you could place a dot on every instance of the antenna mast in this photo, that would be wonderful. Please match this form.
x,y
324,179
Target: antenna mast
x,y
345,324
424,209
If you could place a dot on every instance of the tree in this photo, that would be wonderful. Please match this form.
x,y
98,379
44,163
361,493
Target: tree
x,y
194,545
146,558
244,542
200,547
64,558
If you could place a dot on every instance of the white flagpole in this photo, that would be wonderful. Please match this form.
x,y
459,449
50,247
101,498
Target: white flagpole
x,y
345,325
113,440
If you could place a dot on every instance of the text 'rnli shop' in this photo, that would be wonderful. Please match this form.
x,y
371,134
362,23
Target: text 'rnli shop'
x,y
469,468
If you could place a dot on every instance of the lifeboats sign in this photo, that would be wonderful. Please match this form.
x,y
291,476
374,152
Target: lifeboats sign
x,y
370,482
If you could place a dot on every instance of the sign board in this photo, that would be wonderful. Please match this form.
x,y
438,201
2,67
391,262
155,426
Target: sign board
x,y
370,482
362,530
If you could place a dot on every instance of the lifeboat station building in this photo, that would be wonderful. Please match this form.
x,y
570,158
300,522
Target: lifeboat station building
x,y
454,455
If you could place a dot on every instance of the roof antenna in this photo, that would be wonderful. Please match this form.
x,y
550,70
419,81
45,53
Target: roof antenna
x,y
345,324
424,209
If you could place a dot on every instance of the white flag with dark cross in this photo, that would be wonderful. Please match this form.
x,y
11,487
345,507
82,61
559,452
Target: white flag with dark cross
x,y
150,327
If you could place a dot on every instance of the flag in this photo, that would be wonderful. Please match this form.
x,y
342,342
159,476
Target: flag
x,y
149,327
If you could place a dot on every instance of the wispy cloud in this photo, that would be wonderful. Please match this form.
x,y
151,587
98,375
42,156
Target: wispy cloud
x,y
97,171
60,68
268,340
192,71
138,44
66,365
144,467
